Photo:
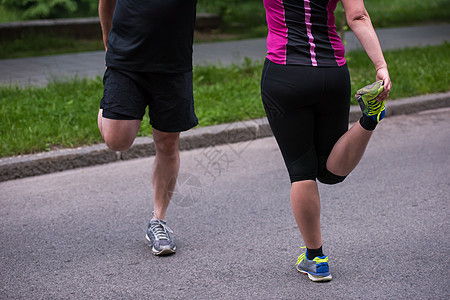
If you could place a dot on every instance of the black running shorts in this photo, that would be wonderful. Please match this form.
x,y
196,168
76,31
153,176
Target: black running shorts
x,y
308,111
169,97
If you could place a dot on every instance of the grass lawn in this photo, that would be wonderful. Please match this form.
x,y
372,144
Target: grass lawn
x,y
246,18
63,114
241,19
38,45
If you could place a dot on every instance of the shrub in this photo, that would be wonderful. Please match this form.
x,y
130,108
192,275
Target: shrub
x,y
43,9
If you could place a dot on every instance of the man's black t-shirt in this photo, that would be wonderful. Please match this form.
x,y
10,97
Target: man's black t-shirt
x,y
152,36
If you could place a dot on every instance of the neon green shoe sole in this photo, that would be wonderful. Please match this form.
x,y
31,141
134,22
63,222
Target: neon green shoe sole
x,y
366,97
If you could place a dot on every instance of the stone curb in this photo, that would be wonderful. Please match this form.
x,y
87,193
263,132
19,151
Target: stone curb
x,y
81,27
231,133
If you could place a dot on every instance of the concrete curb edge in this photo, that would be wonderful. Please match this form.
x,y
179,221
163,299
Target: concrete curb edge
x,y
237,132
81,27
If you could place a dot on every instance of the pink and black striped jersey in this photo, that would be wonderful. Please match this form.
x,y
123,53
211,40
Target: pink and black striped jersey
x,y
303,32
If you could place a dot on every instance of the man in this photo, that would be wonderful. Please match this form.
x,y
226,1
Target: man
x,y
149,62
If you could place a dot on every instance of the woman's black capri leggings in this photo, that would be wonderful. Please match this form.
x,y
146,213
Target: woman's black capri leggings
x,y
308,110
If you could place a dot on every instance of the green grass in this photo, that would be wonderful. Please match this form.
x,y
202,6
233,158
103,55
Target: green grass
x,y
8,15
390,13
63,114
227,94
39,44
413,71
241,19
247,17
59,115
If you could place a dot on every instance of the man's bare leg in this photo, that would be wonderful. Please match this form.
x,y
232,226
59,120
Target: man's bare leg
x,y
165,170
118,135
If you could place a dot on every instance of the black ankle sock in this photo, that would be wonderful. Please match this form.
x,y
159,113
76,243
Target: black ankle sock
x,y
368,123
311,253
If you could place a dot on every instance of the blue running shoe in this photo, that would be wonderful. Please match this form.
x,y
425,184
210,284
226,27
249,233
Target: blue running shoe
x,y
158,234
317,269
370,106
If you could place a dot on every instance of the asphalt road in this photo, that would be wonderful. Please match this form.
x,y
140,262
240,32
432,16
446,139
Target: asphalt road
x,y
79,234
44,69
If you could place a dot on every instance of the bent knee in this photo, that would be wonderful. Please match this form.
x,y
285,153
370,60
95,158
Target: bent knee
x,y
118,135
118,143
327,177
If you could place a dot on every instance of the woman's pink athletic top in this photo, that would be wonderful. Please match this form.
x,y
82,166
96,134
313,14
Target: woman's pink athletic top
x,y
303,32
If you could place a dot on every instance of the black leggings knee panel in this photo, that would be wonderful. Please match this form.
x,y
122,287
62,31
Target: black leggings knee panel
x,y
325,176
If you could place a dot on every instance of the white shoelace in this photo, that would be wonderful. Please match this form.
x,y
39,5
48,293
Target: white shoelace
x,y
160,229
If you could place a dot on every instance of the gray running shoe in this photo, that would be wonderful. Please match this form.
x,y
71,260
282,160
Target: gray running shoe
x,y
317,269
158,234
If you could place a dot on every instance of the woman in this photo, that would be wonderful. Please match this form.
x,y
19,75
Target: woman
x,y
305,89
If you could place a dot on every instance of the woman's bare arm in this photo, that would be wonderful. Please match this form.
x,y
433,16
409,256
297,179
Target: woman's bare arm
x,y
359,22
